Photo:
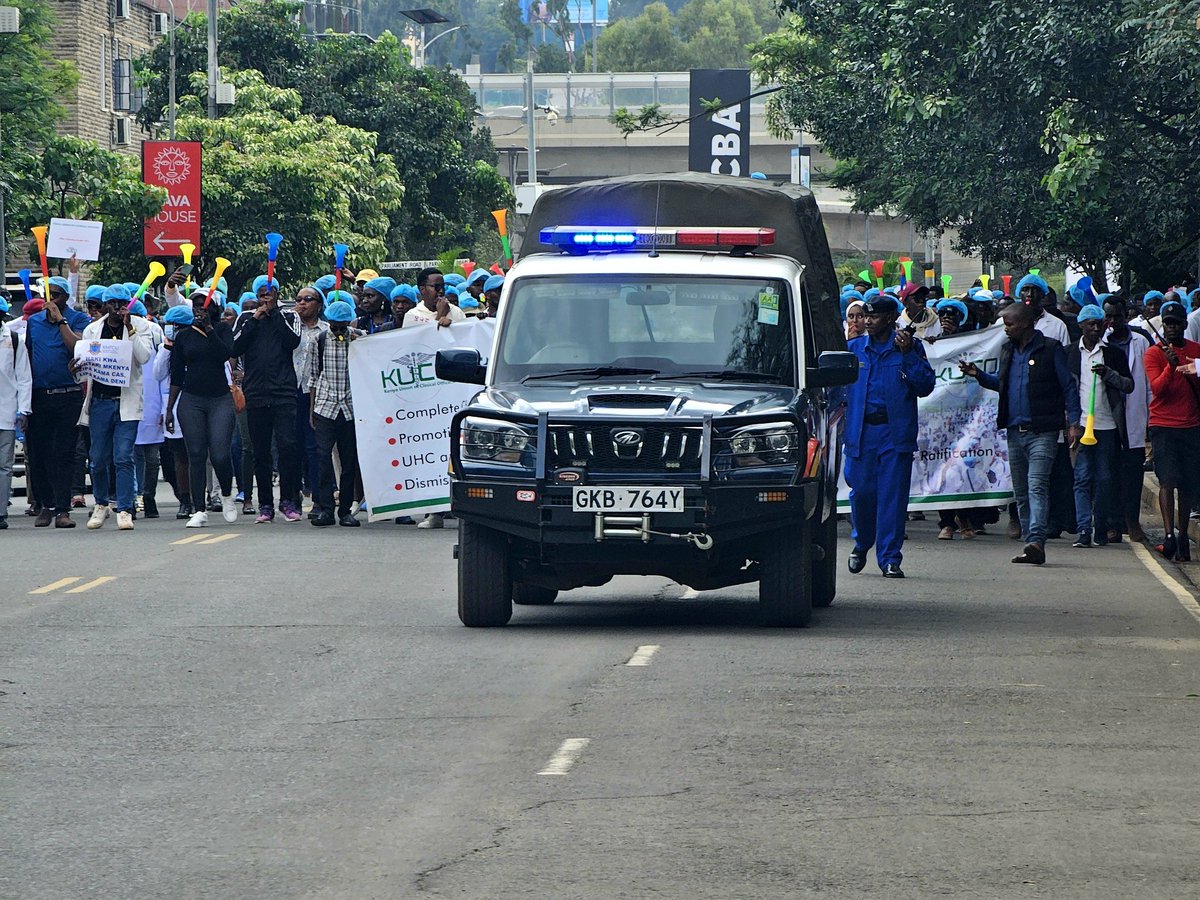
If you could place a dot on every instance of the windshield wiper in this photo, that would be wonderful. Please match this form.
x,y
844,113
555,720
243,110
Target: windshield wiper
x,y
723,375
591,372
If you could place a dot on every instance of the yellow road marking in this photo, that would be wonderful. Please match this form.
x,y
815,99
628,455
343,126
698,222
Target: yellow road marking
x,y
191,539
95,582
219,538
54,586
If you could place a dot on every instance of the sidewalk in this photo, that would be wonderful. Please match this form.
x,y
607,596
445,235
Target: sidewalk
x,y
1152,525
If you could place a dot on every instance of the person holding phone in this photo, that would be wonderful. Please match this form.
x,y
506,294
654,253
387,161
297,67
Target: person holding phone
x,y
1094,362
1038,395
881,434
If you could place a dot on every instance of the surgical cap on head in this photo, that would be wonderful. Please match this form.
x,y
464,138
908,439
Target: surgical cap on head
x,y
494,283
852,295
340,311
997,295
59,282
468,302
1153,295
847,287
478,275
454,278
871,294
261,282
222,286
1101,299
1090,313
117,292
235,308
400,290
180,315
325,283
382,285
956,306
320,293
453,289
1032,280
133,287
246,295
338,297
138,308
1173,310
94,293
4,305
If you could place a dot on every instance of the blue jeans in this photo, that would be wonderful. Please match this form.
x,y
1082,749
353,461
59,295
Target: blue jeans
x,y
1030,459
112,445
879,480
1096,484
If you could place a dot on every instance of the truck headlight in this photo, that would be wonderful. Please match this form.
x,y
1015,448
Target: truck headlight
x,y
769,444
490,439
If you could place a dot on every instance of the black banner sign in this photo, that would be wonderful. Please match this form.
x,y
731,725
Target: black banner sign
x,y
720,142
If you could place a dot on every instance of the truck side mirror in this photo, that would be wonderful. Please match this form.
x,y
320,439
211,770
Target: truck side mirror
x,y
834,368
462,366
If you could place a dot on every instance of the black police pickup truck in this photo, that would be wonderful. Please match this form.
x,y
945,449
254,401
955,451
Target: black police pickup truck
x,y
664,397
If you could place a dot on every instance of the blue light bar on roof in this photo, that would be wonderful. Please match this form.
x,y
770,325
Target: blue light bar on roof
x,y
582,238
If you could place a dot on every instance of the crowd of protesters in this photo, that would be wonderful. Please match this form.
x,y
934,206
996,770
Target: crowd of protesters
x,y
1094,389
227,399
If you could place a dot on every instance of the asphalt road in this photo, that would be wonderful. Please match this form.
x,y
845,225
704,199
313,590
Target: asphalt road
x,y
293,712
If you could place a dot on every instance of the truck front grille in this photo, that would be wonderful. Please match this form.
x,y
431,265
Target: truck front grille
x,y
616,448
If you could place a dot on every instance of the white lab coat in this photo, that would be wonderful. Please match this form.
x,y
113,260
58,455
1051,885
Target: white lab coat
x,y
16,379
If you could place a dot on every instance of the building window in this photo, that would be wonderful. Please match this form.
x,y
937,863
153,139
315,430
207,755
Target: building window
x,y
122,84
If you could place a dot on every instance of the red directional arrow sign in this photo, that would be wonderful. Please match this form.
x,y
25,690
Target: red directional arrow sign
x,y
174,165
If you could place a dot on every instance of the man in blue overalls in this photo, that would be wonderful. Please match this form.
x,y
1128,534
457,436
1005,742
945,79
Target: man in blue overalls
x,y
881,434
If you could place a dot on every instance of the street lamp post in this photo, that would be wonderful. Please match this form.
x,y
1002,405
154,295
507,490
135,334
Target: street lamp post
x,y
425,17
10,23
171,76
214,71
425,43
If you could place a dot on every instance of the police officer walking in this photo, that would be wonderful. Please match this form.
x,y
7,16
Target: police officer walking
x,y
881,434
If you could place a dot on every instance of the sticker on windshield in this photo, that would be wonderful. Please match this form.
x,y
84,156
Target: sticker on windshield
x,y
768,307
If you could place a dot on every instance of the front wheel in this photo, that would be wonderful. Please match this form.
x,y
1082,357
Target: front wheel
x,y
784,583
485,586
824,571
532,595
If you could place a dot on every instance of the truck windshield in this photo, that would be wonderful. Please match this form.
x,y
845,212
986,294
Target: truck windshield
x,y
676,327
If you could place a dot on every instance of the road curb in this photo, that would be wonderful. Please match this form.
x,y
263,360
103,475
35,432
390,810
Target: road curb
x,y
1150,514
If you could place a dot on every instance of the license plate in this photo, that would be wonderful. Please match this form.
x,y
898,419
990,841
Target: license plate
x,y
627,499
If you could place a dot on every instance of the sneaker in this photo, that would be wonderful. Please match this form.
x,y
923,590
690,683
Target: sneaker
x,y
214,503
355,507
1083,541
433,520
99,514
240,498
44,518
229,509
77,502
248,509
125,520
265,514
198,519
289,511
139,505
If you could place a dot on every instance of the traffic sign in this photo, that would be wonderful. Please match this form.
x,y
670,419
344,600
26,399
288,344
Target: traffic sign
x,y
174,165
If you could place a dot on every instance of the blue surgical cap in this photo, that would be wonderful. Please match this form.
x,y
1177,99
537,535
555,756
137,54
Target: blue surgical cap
x,y
325,283
493,283
180,315
138,308
455,278
1089,313
4,307
957,305
478,275
94,292
758,176
1153,295
997,295
235,307
468,302
1032,280
59,282
400,290
117,292
339,311
871,294
338,297
381,285
133,287
261,282
453,289
246,295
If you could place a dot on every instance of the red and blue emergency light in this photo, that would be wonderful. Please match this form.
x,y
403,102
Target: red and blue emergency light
x,y
583,238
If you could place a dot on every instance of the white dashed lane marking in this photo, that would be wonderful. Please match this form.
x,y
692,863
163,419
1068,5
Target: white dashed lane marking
x,y
565,756
643,655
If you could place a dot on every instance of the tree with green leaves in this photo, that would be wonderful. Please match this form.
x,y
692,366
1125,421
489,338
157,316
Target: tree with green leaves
x,y
423,118
1039,133
268,166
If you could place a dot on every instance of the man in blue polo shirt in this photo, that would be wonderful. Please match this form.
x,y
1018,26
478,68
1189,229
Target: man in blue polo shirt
x,y
57,402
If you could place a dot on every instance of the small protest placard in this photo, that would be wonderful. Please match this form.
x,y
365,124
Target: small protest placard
x,y
108,361
74,237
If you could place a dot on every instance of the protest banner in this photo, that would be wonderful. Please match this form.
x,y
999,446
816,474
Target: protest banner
x,y
962,458
107,361
402,414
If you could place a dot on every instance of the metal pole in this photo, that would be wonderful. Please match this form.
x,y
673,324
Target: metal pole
x,y
3,234
171,84
593,37
214,72
529,117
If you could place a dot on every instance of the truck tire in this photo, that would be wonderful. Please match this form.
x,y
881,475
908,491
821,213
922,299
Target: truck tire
x,y
484,584
785,575
824,577
532,594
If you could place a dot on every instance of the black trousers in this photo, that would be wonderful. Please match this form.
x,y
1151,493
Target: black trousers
x,y
339,432
1130,476
207,424
52,436
278,422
